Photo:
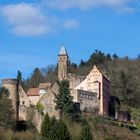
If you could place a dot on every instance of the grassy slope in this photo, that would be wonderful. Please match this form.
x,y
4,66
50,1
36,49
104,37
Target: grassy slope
x,y
103,130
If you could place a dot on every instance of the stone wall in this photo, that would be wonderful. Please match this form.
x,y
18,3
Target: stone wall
x,y
11,85
37,120
76,80
23,98
19,99
88,100
24,103
34,99
48,102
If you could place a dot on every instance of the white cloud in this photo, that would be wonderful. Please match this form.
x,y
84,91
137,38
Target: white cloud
x,y
73,23
126,10
30,20
87,4
26,19
30,30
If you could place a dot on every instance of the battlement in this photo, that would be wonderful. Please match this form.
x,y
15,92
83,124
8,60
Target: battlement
x,y
9,81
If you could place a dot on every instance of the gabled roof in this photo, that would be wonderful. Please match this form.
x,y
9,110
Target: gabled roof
x,y
45,85
33,92
63,51
104,75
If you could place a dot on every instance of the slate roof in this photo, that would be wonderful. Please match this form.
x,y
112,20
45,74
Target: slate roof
x,y
63,51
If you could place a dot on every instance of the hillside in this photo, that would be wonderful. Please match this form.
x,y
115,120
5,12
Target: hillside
x,y
124,74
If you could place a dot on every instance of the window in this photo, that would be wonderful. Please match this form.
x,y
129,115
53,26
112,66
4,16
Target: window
x,y
23,102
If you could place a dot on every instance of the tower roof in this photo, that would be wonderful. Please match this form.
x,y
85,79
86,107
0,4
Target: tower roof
x,y
63,51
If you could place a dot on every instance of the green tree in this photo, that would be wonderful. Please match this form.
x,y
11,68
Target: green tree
x,y
63,99
7,119
46,127
64,133
4,92
115,56
40,107
108,57
53,129
85,133
36,78
19,76
19,81
82,63
96,58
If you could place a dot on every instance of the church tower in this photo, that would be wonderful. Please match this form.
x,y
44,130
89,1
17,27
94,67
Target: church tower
x,y
62,63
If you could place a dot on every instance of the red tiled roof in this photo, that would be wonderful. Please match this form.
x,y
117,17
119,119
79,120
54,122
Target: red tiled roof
x,y
33,92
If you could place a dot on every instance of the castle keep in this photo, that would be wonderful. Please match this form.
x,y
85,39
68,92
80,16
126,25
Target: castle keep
x,y
62,64
92,92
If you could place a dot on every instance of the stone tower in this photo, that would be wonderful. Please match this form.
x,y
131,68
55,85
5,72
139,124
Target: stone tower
x,y
62,64
11,85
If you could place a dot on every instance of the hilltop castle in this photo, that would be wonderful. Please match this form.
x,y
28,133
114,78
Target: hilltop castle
x,y
92,92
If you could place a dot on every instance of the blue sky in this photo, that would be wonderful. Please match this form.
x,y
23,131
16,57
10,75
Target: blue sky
x,y
32,31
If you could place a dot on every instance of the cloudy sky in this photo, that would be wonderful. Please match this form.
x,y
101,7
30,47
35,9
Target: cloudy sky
x,y
32,31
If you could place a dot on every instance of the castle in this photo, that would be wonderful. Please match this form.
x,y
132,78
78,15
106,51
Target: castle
x,y
92,92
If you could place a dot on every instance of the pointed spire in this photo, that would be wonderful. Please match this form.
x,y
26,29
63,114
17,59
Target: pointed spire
x,y
63,50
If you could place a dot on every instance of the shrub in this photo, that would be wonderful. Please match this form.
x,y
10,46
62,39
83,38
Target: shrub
x,y
85,133
40,107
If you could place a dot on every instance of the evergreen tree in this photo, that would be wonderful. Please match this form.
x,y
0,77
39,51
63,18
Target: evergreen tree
x,y
6,110
85,133
63,131
19,80
115,56
19,76
96,58
108,57
46,127
53,129
63,100
82,63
